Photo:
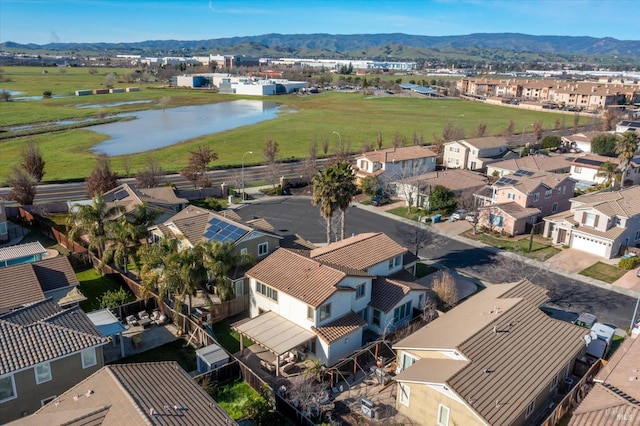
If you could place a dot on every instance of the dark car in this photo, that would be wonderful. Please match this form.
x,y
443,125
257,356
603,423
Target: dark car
x,y
380,200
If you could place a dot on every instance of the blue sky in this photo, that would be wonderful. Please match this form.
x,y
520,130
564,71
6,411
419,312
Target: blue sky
x,y
45,21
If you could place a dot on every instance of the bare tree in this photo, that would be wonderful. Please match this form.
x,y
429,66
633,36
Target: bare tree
x,y
23,186
409,181
307,391
126,163
379,140
151,175
5,96
309,167
196,170
366,147
270,151
102,178
537,129
93,71
398,140
109,80
417,235
480,130
325,145
445,287
468,202
452,132
508,131
576,122
164,101
32,160
273,168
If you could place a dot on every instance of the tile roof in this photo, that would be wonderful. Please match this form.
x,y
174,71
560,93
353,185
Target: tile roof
x,y
604,406
305,279
506,339
261,224
44,331
361,251
21,250
19,286
55,272
403,153
548,163
386,292
486,142
339,328
159,393
624,202
453,179
513,209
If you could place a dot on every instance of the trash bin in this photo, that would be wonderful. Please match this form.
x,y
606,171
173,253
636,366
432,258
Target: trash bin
x,y
230,199
366,407
436,218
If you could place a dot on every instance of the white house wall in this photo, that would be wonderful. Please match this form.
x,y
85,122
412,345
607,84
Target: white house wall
x,y
382,269
342,347
586,174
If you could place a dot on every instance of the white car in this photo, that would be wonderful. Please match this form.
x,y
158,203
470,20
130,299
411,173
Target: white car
x,y
471,217
459,214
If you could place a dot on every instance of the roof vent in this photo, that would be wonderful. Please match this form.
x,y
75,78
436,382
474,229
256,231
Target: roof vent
x,y
152,412
499,404
89,393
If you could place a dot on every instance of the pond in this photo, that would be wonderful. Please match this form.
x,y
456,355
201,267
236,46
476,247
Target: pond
x,y
159,128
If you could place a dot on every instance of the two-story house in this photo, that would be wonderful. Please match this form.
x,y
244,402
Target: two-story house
x,y
194,224
523,198
554,163
603,223
476,153
396,162
585,169
44,350
162,199
580,142
320,301
495,359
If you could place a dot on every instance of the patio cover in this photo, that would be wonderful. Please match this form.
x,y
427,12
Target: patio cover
x,y
108,325
275,333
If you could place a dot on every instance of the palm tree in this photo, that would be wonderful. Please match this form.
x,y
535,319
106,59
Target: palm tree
x,y
122,238
326,195
610,172
626,148
142,218
90,220
346,189
219,258
187,275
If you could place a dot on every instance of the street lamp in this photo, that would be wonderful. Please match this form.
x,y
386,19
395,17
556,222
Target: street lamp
x,y
524,127
242,173
339,137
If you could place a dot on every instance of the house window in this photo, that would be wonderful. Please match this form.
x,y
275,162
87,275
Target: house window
x,y
402,312
3,228
325,311
405,393
495,220
564,190
7,388
637,235
407,361
511,196
548,193
554,383
443,415
530,408
536,197
421,304
43,373
376,318
360,290
589,219
267,291
554,208
89,358
578,170
263,249
243,251
310,313
363,314
45,401
394,262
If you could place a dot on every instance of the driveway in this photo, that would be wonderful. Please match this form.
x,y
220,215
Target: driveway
x,y
572,260
629,280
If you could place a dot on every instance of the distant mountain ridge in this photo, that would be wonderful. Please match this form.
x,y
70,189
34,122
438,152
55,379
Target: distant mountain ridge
x,y
292,44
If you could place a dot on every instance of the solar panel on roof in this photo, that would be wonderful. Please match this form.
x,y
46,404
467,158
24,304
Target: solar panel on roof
x,y
119,195
222,231
523,173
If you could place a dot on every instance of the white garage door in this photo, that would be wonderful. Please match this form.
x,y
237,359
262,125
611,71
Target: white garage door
x,y
590,245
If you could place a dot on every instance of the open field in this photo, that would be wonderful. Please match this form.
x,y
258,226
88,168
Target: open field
x,y
357,119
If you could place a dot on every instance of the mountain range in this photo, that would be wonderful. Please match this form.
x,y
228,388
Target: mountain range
x,y
358,44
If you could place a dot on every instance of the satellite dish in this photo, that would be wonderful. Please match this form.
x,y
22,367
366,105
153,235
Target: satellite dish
x,y
587,339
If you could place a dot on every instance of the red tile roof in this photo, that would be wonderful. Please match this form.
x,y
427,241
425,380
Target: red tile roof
x,y
339,328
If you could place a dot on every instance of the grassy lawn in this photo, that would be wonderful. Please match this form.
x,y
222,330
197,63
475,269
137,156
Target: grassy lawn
x,y
234,398
229,339
603,272
93,286
424,270
539,250
402,212
302,119
172,351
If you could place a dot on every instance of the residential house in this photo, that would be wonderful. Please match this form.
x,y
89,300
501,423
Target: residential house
x,y
580,142
603,223
615,396
194,224
321,301
162,199
475,154
585,169
4,228
628,126
522,199
553,163
21,253
418,188
487,361
44,350
27,283
153,393
396,162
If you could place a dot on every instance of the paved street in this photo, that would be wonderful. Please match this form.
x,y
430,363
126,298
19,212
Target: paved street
x,y
291,215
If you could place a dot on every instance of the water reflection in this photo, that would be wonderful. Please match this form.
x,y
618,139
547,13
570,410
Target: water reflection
x,y
159,128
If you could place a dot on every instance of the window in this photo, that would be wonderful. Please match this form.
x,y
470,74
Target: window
x,y
495,220
402,312
45,401
548,193
511,196
530,408
407,361
578,170
243,251
7,388
376,318
536,197
363,314
267,291
564,190
325,311
405,393
3,228
360,290
554,383
396,261
589,219
443,415
89,358
637,235
43,373
263,249
554,208
311,313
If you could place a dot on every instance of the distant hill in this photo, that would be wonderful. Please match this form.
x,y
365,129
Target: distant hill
x,y
331,44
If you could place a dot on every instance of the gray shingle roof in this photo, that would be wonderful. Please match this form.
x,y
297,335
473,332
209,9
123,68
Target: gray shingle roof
x,y
44,331
55,272
19,286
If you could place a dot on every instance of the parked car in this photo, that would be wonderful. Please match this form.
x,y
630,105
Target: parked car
x,y
380,200
459,214
471,217
638,273
586,320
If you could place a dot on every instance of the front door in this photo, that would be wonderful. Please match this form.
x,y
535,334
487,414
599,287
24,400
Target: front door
x,y
562,234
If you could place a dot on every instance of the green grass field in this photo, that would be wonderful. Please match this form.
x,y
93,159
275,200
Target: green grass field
x,y
357,119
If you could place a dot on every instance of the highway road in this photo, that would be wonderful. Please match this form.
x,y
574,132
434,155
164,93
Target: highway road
x,y
291,215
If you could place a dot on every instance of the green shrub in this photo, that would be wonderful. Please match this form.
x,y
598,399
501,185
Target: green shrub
x,y
629,263
213,204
